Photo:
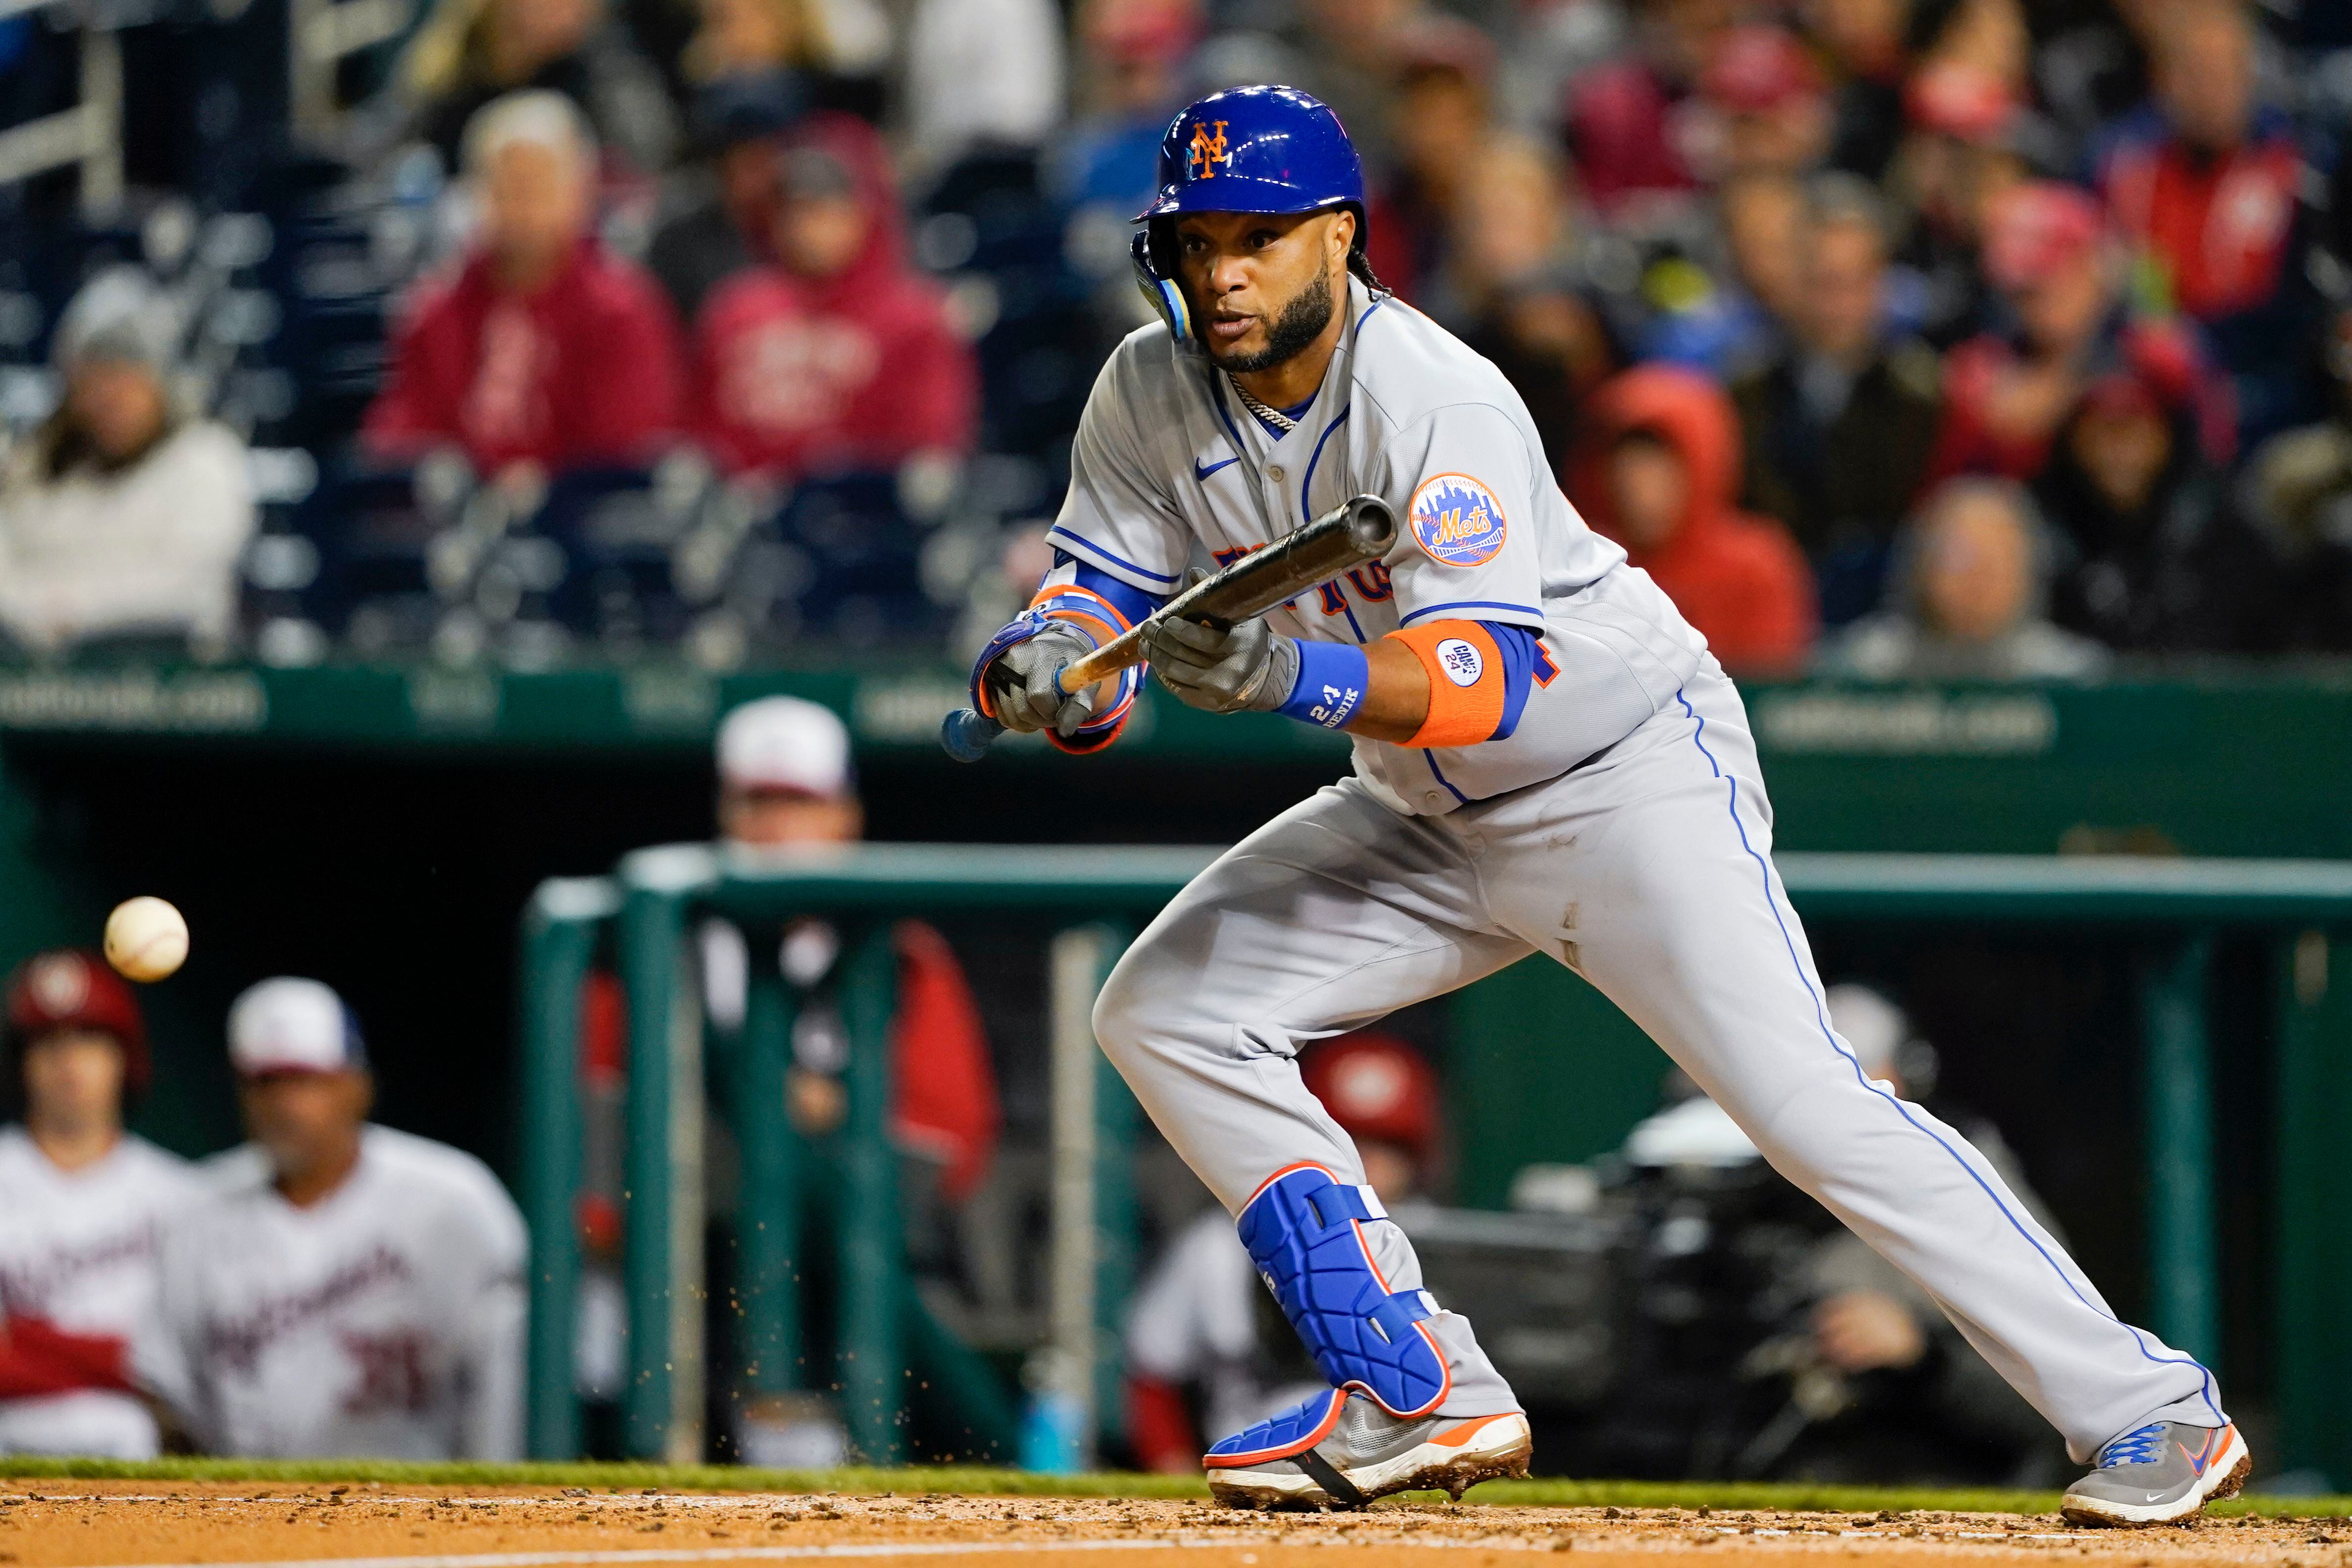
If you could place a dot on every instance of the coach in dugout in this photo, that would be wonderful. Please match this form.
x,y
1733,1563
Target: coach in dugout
x,y
347,1290
786,786
81,1204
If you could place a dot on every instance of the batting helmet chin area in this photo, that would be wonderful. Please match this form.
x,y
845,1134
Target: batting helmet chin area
x,y
1245,150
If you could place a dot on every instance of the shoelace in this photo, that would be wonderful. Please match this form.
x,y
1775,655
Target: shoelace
x,y
2138,1447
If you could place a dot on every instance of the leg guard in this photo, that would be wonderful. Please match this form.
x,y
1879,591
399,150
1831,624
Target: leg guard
x,y
1303,1230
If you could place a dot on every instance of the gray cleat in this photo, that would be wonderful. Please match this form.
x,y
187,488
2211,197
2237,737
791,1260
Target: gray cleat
x,y
2161,1473
1341,1451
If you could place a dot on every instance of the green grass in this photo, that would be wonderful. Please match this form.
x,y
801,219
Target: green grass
x,y
1746,1495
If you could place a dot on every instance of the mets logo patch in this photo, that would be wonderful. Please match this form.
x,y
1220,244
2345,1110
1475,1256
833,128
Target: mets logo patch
x,y
1457,520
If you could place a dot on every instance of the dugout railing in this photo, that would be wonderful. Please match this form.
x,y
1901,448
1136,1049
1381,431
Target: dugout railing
x,y
2172,912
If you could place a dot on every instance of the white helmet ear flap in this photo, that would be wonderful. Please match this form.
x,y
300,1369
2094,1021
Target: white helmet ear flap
x,y
1166,297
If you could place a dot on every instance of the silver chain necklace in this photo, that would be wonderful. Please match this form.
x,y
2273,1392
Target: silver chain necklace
x,y
1273,416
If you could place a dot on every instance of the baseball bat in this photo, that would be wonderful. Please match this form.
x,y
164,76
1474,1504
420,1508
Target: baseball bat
x,y
1310,555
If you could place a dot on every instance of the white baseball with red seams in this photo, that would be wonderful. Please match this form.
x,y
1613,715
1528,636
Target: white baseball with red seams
x,y
146,939
1623,829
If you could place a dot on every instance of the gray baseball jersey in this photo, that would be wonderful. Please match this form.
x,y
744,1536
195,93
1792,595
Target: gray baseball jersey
x,y
1647,870
1167,455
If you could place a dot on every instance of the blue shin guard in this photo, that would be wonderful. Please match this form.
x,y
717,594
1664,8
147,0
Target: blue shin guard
x,y
1305,1231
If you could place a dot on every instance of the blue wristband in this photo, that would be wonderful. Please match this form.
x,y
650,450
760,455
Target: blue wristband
x,y
1332,680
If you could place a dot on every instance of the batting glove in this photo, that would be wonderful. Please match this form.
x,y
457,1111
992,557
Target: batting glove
x,y
1022,682
1248,667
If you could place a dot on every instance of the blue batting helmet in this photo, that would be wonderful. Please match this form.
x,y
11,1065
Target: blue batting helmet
x,y
1245,150
1257,150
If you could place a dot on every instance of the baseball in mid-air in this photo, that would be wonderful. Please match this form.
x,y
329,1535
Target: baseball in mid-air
x,y
146,939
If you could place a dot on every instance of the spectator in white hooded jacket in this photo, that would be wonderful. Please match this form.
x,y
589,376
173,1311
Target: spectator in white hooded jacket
x,y
121,516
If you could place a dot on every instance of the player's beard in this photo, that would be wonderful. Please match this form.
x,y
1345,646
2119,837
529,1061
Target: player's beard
x,y
1289,334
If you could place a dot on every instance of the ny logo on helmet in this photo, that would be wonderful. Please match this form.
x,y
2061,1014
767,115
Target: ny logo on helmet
x,y
1206,150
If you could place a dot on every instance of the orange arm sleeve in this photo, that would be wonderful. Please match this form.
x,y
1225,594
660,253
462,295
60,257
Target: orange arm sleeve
x,y
1466,683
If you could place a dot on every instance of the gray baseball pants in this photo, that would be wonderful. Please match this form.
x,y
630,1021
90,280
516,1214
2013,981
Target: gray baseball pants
x,y
1648,871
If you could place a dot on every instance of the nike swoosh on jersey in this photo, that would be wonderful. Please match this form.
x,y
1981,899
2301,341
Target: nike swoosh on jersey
x,y
1203,473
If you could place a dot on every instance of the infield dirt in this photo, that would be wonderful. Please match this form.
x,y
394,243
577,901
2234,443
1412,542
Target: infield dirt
x,y
97,1524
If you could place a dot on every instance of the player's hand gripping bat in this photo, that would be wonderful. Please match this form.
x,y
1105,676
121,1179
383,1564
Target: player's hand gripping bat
x,y
1299,562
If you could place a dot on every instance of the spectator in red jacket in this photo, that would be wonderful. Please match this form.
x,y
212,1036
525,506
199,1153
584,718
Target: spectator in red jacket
x,y
1660,480
2007,395
542,349
842,358
2206,182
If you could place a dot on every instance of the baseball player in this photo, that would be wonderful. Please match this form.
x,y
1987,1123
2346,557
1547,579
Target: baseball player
x,y
349,1290
81,1204
1547,760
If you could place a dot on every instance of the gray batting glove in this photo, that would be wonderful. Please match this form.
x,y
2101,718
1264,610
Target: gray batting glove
x,y
1224,672
1022,683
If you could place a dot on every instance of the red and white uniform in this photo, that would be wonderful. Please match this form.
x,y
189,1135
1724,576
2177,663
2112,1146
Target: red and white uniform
x,y
384,1320
77,1251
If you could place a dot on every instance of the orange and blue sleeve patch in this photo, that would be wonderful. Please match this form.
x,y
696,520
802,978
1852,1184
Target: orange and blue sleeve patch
x,y
1089,612
1480,673
1098,603
1456,520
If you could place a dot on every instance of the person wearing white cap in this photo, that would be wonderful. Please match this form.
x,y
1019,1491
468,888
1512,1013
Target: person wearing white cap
x,y
347,1290
122,515
784,775
786,785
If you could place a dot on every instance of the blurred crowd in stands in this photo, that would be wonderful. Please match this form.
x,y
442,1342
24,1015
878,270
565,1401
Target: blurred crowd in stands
x,y
1940,338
